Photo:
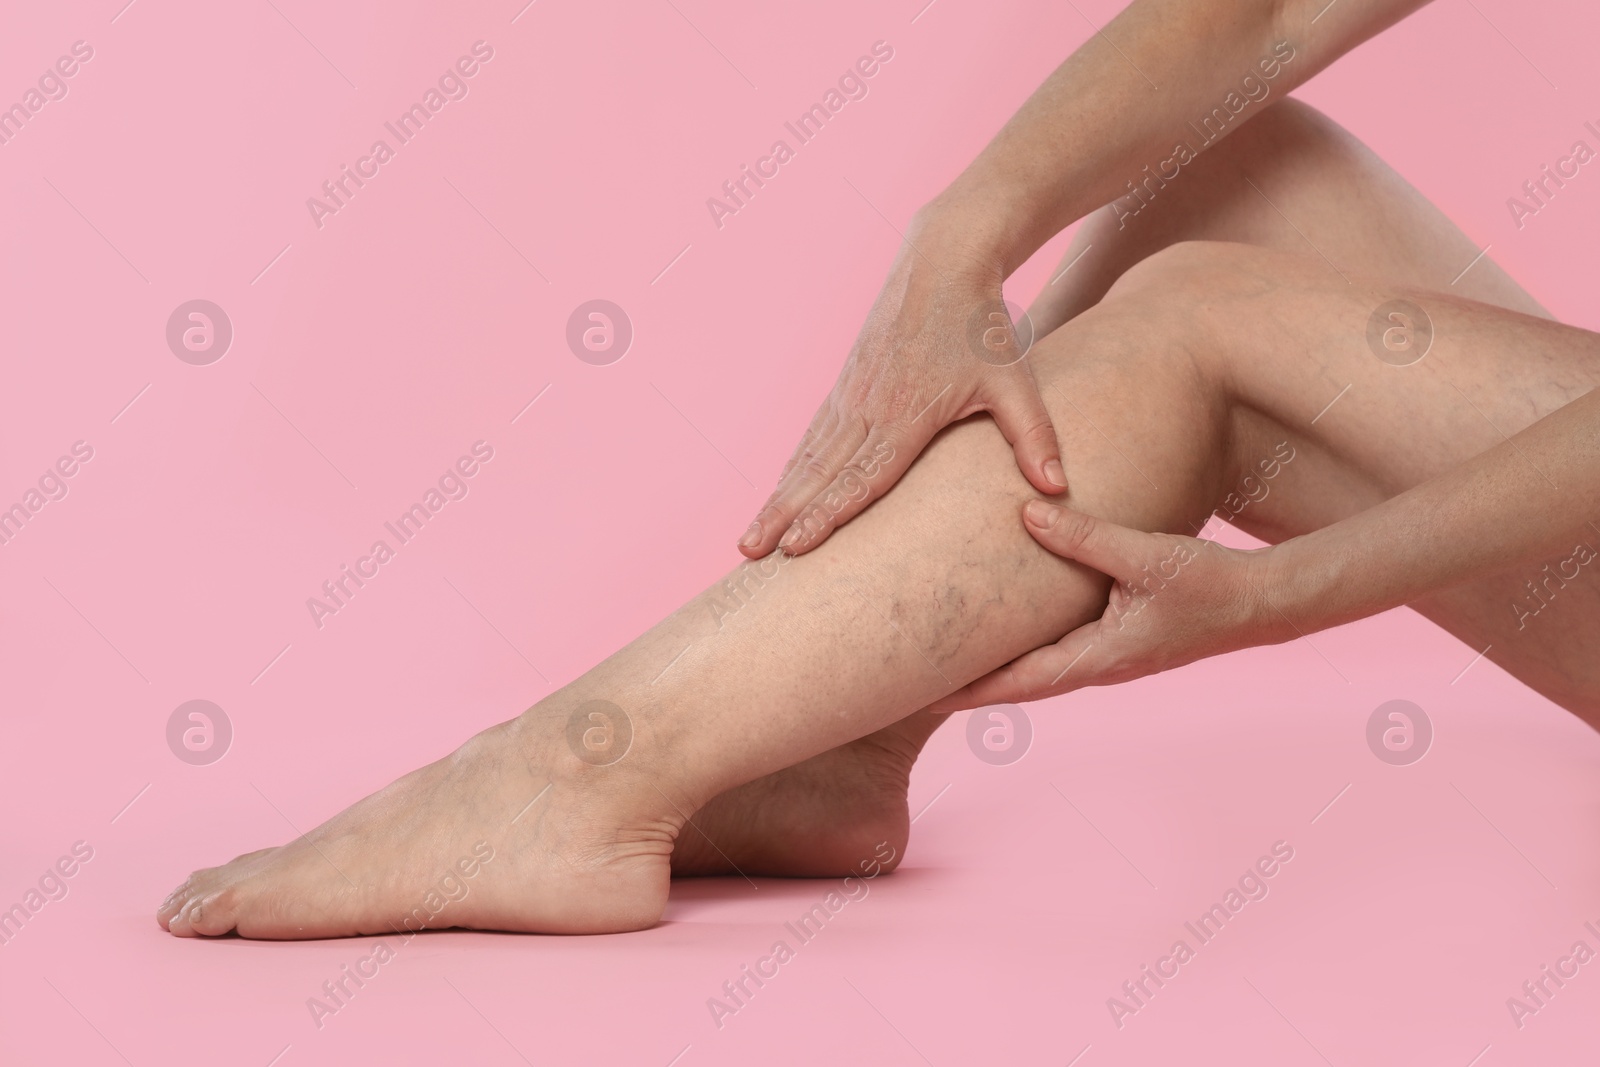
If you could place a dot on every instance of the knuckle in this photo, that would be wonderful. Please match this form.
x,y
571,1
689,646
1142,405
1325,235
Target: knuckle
x,y
854,486
778,510
1075,532
814,468
815,519
833,500
810,453
1040,429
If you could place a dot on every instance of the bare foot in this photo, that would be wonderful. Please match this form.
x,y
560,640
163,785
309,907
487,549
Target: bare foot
x,y
514,832
511,832
819,818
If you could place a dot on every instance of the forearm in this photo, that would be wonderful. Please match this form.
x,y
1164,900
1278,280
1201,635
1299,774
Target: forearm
x,y
1132,106
1526,501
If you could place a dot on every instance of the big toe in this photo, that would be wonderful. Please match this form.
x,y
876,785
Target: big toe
x,y
199,883
207,914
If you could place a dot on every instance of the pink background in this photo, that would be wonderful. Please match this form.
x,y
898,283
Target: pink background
x,y
428,313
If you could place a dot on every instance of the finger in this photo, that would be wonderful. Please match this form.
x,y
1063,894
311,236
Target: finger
x,y
754,542
1105,546
878,464
823,425
812,469
960,700
1019,411
1045,672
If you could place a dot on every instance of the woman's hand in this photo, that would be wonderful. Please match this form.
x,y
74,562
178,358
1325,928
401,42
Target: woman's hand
x,y
1173,600
937,346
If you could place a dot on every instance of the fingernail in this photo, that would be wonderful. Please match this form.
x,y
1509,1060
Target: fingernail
x,y
1054,474
790,538
1041,514
752,537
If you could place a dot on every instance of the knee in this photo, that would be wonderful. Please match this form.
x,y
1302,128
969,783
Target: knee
x,y
1289,126
1185,285
1195,308
1163,317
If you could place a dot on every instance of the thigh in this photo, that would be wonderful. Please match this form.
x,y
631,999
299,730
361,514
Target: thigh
x,y
1291,180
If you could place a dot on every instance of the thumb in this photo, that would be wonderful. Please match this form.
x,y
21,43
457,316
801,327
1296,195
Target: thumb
x,y
1019,411
1105,546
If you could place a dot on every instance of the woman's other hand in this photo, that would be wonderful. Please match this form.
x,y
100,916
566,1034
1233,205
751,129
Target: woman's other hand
x,y
1173,600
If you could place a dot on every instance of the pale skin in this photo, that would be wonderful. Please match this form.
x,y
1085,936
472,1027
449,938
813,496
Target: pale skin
x,y
1108,116
789,726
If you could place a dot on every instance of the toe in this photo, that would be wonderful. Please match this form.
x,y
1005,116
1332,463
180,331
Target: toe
x,y
216,914
178,923
176,900
201,882
209,914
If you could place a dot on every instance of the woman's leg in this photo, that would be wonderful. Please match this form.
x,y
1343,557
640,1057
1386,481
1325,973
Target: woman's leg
x,y
1291,180
1164,394
931,587
1295,181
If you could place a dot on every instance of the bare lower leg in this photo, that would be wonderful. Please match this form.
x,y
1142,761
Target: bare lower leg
x,y
933,585
579,801
1292,181
820,817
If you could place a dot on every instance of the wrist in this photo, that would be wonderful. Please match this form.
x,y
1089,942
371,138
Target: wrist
x,y
1322,579
981,234
1300,584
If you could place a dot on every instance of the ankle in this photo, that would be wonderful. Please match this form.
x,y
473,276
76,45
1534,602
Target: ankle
x,y
608,753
